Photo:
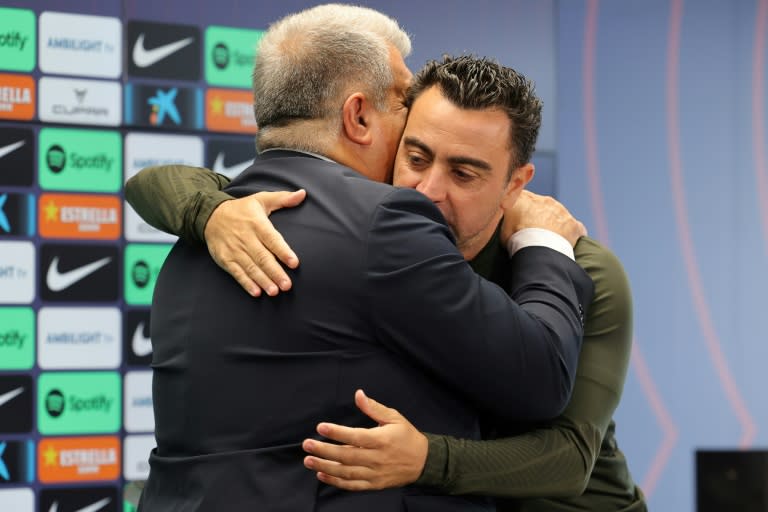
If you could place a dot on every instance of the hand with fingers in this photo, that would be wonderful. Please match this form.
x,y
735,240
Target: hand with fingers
x,y
531,210
390,455
243,241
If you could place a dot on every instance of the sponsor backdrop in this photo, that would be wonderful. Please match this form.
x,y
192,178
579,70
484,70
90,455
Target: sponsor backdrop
x,y
91,93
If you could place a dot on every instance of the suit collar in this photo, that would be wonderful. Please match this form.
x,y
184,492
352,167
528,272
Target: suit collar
x,y
283,152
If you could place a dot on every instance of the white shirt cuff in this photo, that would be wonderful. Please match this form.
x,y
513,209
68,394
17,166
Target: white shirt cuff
x,y
540,237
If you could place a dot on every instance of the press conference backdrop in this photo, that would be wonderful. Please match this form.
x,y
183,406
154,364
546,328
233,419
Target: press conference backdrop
x,y
654,114
90,93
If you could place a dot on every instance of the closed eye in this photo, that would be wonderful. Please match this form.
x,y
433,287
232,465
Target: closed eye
x,y
464,176
416,160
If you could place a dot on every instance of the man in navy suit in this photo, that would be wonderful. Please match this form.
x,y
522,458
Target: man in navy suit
x,y
387,301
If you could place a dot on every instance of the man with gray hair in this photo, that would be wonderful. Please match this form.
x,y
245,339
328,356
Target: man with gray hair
x,y
387,301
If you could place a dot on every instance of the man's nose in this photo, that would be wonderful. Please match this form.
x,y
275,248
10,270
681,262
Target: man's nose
x,y
433,186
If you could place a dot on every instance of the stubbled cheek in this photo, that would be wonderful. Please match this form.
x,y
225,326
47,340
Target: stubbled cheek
x,y
448,217
404,179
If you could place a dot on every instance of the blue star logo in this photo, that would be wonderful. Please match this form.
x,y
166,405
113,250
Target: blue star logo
x,y
3,468
4,224
162,105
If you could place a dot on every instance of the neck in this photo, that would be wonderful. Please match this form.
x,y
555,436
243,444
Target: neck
x,y
305,135
472,247
354,156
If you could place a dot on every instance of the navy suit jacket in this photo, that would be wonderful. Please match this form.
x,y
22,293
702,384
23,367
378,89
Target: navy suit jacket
x,y
382,301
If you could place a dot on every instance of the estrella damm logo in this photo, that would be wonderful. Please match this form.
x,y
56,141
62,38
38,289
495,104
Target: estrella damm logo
x,y
17,97
17,338
229,111
78,459
79,403
81,216
18,39
142,265
80,160
229,55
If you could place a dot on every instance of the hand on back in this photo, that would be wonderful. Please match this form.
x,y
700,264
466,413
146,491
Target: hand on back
x,y
243,241
535,211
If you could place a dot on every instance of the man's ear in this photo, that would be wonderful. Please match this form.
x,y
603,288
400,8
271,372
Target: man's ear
x,y
517,182
356,119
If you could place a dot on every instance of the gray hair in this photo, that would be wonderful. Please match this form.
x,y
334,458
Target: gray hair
x,y
308,62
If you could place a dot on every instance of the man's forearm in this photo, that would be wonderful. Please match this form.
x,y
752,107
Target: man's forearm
x,y
177,199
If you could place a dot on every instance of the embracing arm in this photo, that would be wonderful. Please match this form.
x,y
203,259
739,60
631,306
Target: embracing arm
x,y
177,199
556,459
429,305
189,202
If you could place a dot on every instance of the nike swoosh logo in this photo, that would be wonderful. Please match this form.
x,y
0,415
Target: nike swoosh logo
x,y
10,148
93,507
142,346
58,281
231,171
10,395
144,58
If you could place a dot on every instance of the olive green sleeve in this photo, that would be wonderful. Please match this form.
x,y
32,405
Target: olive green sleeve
x,y
177,199
557,459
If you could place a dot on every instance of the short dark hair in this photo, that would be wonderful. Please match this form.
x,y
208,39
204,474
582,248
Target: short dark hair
x,y
477,83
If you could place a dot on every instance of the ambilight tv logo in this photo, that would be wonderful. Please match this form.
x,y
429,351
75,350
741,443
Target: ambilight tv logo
x,y
18,39
79,403
83,45
78,338
82,160
17,272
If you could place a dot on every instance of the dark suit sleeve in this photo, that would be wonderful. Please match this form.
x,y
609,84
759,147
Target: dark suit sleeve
x,y
513,358
177,199
556,459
